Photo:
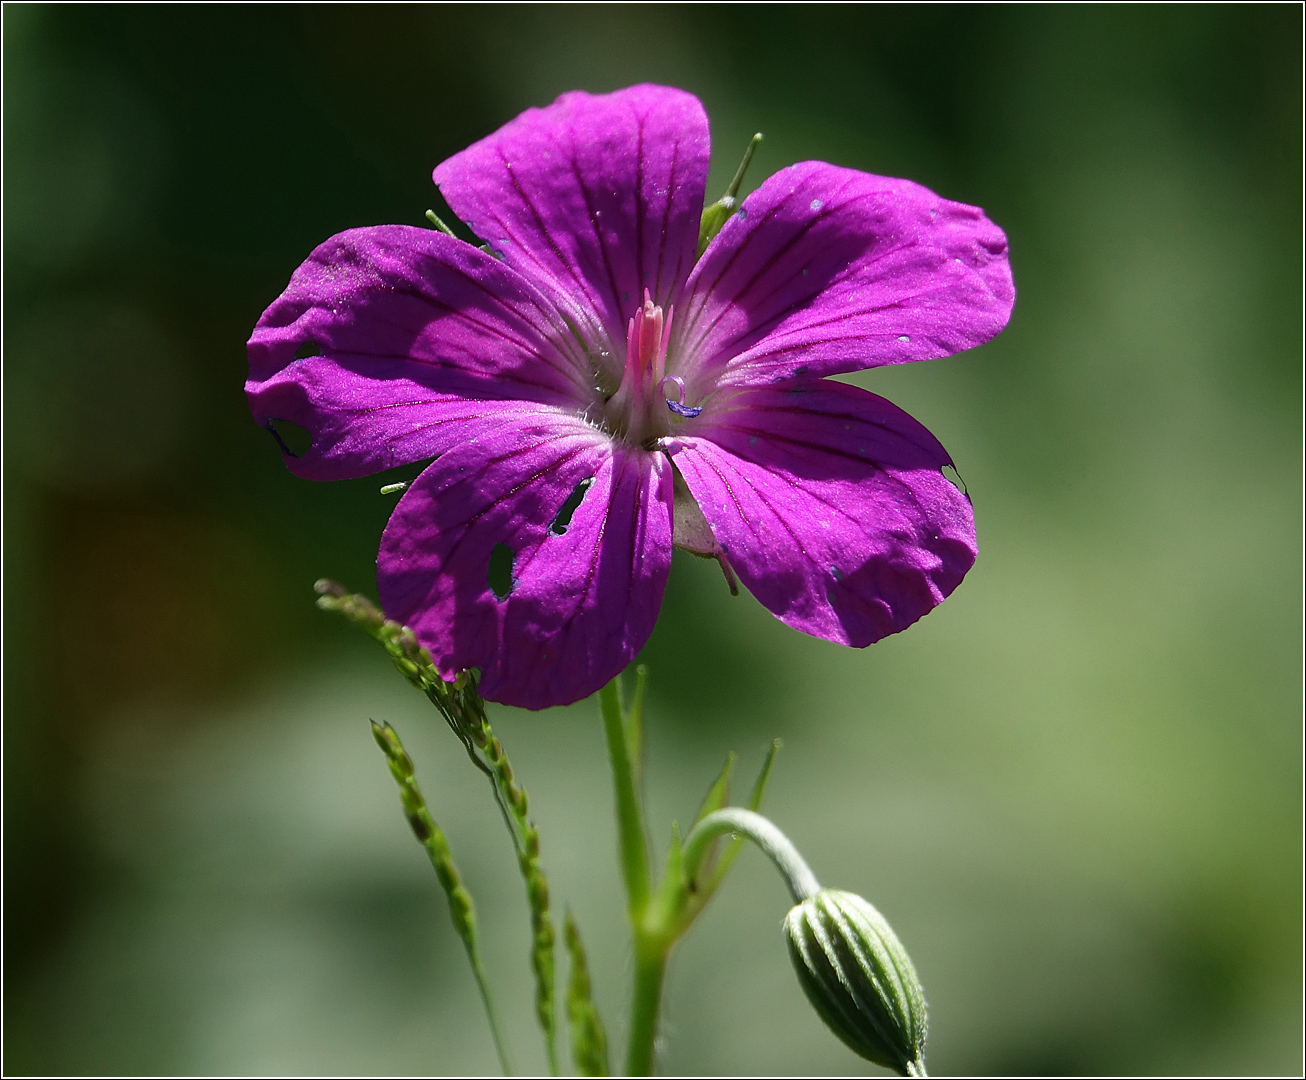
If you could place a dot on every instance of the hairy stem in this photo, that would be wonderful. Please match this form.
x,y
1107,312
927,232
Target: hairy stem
x,y
651,955
623,728
797,874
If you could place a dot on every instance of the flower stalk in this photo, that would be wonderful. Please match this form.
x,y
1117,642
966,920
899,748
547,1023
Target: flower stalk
x,y
624,730
652,945
659,917
849,962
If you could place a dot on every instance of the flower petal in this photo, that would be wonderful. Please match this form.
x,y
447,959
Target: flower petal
x,y
826,270
584,593
411,333
598,195
831,506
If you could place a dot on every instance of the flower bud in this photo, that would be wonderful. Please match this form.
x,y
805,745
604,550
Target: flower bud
x,y
859,978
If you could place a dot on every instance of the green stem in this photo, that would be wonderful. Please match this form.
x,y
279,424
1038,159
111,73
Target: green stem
x,y
434,219
652,946
500,1045
659,918
651,954
802,882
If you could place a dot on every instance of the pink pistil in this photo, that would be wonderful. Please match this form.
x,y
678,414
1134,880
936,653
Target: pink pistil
x,y
637,410
646,341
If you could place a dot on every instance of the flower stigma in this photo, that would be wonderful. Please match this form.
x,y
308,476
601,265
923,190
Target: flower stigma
x,y
635,413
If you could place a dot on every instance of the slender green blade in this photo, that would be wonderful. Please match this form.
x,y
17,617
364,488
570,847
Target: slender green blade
x,y
759,786
754,803
715,798
719,791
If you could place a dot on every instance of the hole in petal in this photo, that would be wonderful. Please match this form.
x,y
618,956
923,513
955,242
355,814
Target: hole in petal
x,y
954,478
293,439
307,349
500,574
563,519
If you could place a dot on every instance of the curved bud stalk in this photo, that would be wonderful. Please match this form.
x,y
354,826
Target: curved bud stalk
x,y
852,966
859,978
797,874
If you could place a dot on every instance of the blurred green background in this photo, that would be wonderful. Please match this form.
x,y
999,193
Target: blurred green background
x,y
1074,789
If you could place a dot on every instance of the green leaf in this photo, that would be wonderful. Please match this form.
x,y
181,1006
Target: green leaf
x,y
714,799
715,215
666,914
674,870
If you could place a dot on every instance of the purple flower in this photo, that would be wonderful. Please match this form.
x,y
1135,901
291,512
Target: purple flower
x,y
591,393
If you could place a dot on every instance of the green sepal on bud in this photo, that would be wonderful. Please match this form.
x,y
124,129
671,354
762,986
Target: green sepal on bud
x,y
719,212
859,978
